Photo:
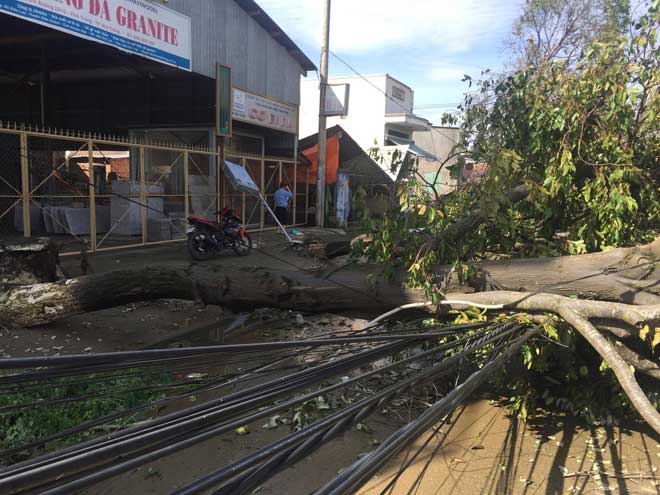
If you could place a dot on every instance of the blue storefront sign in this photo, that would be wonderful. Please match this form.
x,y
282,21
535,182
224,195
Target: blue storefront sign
x,y
135,26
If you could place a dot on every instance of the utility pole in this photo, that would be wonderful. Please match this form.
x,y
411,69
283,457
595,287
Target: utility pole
x,y
320,177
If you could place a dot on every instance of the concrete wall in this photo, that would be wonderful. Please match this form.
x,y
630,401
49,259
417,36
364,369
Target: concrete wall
x,y
366,109
223,32
439,141
394,105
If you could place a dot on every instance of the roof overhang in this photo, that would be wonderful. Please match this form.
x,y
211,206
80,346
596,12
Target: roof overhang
x,y
25,45
405,147
352,158
404,154
408,121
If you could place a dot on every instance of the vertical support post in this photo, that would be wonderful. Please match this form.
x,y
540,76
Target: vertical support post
x,y
45,82
92,195
143,196
295,169
186,188
307,196
295,190
263,191
25,185
220,142
279,175
323,81
244,163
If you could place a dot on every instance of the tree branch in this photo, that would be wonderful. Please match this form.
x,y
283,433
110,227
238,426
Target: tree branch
x,y
641,364
577,313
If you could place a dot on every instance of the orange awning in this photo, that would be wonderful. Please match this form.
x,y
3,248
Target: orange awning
x,y
331,162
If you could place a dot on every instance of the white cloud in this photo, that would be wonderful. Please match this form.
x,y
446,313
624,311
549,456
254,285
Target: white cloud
x,y
428,44
360,26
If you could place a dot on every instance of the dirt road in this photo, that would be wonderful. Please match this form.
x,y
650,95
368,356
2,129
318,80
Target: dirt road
x,y
482,450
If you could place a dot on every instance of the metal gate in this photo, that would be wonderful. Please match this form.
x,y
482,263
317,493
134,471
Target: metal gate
x,y
102,192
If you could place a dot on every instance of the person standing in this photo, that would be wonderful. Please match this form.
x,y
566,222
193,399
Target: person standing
x,y
282,199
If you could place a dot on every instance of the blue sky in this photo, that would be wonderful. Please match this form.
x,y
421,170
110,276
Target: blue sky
x,y
427,44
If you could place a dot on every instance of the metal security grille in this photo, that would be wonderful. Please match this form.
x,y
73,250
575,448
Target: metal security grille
x,y
98,192
12,209
268,173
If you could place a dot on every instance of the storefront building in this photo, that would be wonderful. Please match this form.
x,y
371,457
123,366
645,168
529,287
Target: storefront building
x,y
137,79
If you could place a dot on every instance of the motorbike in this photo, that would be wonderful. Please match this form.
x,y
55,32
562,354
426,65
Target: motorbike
x,y
207,237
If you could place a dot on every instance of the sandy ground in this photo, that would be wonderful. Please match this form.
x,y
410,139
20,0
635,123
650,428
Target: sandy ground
x,y
485,450
482,450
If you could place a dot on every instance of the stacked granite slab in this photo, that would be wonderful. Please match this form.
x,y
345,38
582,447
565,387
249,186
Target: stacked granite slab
x,y
202,195
125,212
36,219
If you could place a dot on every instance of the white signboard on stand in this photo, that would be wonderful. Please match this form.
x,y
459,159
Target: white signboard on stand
x,y
240,178
141,27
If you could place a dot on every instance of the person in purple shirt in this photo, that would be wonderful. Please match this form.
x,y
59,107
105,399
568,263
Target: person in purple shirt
x,y
282,199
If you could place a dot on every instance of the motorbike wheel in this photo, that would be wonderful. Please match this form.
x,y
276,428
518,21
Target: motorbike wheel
x,y
242,246
198,247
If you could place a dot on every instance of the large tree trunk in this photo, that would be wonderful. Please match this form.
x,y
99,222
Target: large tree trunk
x,y
635,286
211,284
345,290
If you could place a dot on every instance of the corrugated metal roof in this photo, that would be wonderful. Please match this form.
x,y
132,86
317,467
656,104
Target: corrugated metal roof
x,y
265,21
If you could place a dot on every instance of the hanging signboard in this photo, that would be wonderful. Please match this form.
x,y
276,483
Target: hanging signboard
x,y
336,100
265,112
135,26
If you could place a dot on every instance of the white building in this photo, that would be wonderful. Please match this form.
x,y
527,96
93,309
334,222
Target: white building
x,y
380,110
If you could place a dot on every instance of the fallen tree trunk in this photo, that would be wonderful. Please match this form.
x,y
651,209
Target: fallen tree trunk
x,y
350,290
318,248
345,290
207,283
634,286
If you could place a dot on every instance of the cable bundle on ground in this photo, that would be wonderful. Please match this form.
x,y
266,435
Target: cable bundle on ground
x,y
273,383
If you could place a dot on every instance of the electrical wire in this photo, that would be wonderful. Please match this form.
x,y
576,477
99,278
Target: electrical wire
x,y
246,376
193,352
204,435
205,419
406,109
311,438
350,479
194,417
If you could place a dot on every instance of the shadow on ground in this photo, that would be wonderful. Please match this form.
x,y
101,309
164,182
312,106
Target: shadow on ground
x,y
487,451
